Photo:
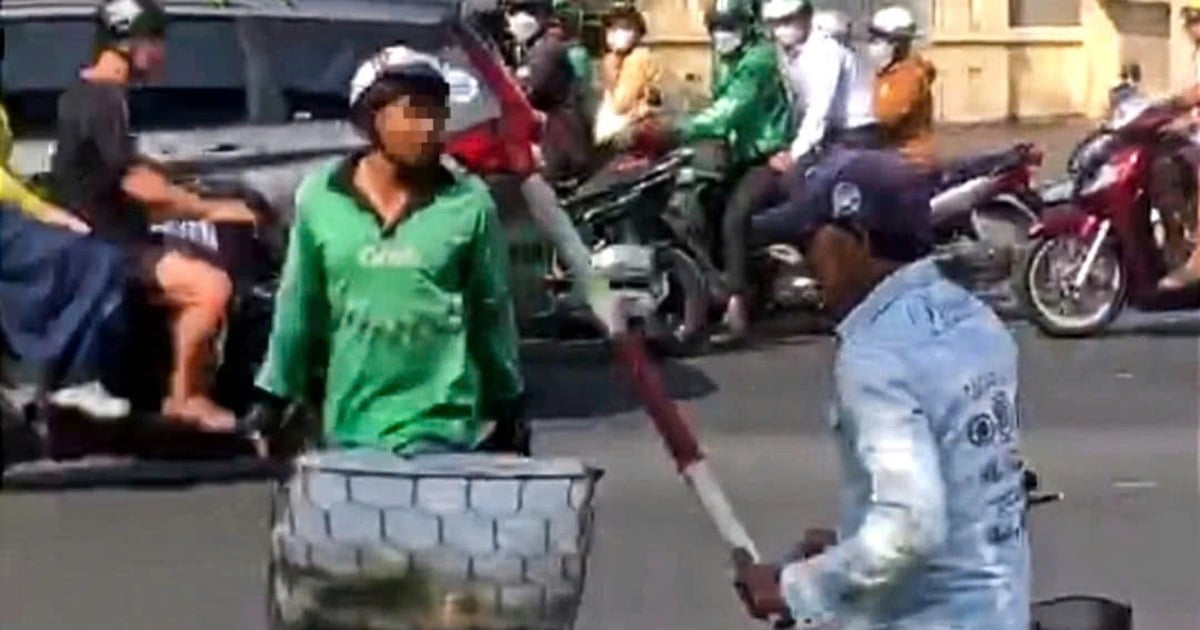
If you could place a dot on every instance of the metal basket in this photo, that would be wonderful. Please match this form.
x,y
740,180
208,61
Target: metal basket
x,y
368,540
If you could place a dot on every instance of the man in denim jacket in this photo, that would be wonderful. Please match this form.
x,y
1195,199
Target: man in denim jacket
x,y
924,411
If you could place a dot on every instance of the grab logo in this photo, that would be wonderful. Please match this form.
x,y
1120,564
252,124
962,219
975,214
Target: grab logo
x,y
464,87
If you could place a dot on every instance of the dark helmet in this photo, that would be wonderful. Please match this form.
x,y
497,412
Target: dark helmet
x,y
1190,13
728,15
626,13
120,20
536,7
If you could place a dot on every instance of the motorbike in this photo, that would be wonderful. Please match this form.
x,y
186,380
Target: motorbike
x,y
1130,220
650,223
981,210
40,438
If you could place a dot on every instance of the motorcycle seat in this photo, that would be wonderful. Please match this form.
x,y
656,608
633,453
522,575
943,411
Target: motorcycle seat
x,y
618,176
958,171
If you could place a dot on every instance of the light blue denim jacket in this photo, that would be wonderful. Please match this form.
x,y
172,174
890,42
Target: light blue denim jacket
x,y
933,508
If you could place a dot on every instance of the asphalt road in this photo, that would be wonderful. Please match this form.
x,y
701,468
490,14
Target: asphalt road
x,y
1111,422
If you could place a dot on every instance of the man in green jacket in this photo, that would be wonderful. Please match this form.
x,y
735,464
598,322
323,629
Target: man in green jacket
x,y
395,282
750,111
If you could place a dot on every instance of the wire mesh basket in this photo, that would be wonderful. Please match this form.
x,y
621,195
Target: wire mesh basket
x,y
371,541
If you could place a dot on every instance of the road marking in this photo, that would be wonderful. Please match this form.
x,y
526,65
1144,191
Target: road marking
x,y
1134,484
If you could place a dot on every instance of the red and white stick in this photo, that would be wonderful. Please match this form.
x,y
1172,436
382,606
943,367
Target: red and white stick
x,y
681,442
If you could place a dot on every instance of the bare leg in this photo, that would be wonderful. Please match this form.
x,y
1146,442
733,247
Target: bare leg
x,y
198,294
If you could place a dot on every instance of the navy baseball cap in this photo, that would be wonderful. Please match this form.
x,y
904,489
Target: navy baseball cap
x,y
875,192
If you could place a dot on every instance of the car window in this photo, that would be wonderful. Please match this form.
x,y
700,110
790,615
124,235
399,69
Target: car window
x,y
223,71
312,63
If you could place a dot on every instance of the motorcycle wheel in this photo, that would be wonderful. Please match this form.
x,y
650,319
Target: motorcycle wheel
x,y
1051,266
682,317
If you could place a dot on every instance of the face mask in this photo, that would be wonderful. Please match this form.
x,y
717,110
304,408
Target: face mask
x,y
523,26
881,53
788,35
726,42
621,39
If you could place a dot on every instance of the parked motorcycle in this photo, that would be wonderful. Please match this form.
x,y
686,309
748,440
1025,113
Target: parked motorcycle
x,y
1131,220
39,436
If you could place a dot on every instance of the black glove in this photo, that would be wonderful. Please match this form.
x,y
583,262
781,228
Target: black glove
x,y
265,417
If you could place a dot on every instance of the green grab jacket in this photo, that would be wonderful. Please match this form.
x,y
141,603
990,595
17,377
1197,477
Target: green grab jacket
x,y
750,108
412,323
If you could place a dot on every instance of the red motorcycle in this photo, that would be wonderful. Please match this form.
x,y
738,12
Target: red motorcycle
x,y
1130,219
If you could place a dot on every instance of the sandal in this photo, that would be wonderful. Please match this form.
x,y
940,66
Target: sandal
x,y
1182,278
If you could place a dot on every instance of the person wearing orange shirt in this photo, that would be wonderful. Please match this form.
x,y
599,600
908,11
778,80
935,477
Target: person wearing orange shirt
x,y
629,75
903,86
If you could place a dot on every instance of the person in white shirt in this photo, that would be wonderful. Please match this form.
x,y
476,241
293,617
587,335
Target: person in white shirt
x,y
829,83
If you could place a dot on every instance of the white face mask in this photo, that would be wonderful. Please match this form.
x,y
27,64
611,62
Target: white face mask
x,y
621,39
726,42
881,53
788,35
523,26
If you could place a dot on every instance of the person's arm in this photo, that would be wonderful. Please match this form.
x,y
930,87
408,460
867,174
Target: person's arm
x,y
820,89
633,82
1187,99
301,322
14,193
906,519
897,96
547,61
151,188
491,323
736,104
143,182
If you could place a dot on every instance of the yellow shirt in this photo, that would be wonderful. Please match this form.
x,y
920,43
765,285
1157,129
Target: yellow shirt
x,y
12,190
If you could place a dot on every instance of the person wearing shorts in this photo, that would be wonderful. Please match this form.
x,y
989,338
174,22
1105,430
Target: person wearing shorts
x,y
97,173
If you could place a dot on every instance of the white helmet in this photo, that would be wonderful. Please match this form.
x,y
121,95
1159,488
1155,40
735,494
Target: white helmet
x,y
831,23
894,23
393,60
773,10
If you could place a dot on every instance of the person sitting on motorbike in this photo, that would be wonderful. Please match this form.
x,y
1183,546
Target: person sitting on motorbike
x,y
97,173
828,82
395,285
751,114
553,89
53,283
1189,274
629,75
903,86
565,24
14,192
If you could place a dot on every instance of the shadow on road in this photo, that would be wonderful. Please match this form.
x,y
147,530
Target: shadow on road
x,y
581,381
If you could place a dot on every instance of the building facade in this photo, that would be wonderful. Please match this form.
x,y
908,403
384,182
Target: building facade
x,y
996,59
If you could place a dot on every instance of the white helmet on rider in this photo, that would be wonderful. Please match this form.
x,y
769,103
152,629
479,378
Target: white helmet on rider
x,y
895,23
394,62
778,10
832,24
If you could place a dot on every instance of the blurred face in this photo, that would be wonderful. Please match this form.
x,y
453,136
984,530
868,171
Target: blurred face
x,y
1193,30
410,130
147,58
789,32
523,25
841,263
622,36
